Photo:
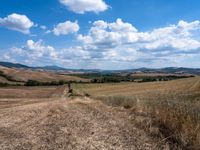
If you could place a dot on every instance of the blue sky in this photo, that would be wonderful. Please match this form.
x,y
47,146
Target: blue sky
x,y
104,34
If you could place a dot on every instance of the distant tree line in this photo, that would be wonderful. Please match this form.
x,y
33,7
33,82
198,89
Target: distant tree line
x,y
95,78
3,84
115,78
162,78
103,78
52,83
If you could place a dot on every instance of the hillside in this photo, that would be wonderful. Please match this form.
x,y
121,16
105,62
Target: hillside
x,y
168,70
13,65
23,75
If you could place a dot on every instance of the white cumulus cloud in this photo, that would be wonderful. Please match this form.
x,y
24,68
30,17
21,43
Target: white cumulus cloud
x,y
33,52
43,27
104,35
66,28
120,44
82,6
38,53
17,22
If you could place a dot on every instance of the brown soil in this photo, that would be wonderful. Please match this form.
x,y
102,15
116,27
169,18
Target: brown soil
x,y
27,92
63,123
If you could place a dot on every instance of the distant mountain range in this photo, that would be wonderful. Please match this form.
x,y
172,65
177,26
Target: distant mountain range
x,y
45,68
177,70
14,65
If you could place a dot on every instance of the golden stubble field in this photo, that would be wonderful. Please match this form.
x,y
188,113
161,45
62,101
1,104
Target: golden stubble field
x,y
46,118
155,115
128,88
174,106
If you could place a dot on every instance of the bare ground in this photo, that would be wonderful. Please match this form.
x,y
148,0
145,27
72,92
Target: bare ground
x,y
63,123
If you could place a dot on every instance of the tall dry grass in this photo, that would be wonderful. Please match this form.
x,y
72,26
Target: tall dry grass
x,y
176,116
173,106
120,100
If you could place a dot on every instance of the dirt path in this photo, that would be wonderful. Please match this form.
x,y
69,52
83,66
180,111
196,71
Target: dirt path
x,y
70,124
63,123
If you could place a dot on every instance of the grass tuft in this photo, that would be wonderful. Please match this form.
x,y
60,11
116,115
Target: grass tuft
x,y
178,120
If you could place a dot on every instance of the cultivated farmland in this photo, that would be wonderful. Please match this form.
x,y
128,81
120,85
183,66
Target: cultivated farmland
x,y
153,115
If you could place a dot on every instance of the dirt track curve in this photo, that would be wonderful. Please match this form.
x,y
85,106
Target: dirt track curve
x,y
63,123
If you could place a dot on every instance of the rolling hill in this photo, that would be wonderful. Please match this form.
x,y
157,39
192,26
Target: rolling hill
x,y
176,70
14,75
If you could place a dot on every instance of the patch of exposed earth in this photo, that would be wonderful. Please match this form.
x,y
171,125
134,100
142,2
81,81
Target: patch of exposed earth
x,y
70,124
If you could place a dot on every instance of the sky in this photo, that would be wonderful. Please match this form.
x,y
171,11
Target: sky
x,y
101,34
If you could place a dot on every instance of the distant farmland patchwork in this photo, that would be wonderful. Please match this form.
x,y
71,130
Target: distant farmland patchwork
x,y
103,111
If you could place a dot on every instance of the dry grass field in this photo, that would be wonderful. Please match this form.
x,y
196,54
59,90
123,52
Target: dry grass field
x,y
158,74
45,118
128,88
41,76
146,116
4,80
173,106
14,92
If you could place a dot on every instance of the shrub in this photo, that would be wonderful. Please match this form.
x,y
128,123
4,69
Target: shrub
x,y
52,83
32,83
3,84
119,100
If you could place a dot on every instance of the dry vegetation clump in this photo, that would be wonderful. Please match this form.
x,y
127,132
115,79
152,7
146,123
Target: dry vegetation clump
x,y
120,100
178,118
174,118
